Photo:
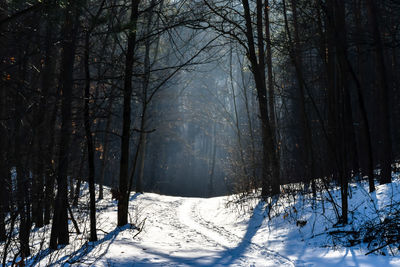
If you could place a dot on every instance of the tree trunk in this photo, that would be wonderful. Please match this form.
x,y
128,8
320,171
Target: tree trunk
x,y
213,160
89,143
271,89
2,205
3,167
41,124
59,230
250,128
38,183
105,150
270,176
365,131
305,125
23,205
50,170
383,89
3,132
139,182
77,192
145,86
344,127
123,201
247,187
141,141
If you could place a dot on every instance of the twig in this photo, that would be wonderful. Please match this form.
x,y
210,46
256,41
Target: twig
x,y
387,244
101,230
140,228
73,220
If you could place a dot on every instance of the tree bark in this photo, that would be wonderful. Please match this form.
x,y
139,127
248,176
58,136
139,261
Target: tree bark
x,y
50,170
23,204
271,89
139,182
48,83
385,142
89,143
213,160
3,132
344,129
59,230
77,191
123,201
42,120
297,60
270,176
365,130
105,149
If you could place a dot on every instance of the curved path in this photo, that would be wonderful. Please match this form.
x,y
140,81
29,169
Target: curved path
x,y
177,233
195,232
239,250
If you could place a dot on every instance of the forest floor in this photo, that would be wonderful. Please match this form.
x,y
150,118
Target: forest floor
x,y
178,231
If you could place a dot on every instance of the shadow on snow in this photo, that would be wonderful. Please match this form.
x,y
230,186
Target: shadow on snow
x,y
79,255
224,258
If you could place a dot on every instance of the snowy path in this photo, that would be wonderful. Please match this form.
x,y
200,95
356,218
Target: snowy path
x,y
200,232
176,234
239,250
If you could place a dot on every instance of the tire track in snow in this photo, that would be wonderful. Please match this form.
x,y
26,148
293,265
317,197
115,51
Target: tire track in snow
x,y
189,214
185,236
211,237
191,234
185,245
185,217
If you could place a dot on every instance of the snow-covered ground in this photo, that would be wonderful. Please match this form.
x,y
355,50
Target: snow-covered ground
x,y
177,231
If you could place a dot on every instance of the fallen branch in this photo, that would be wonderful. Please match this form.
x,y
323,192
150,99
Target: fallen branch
x,y
381,247
342,232
73,220
140,228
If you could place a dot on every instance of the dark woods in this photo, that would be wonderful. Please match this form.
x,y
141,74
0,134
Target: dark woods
x,y
190,98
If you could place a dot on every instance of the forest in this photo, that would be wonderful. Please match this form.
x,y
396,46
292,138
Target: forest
x,y
269,106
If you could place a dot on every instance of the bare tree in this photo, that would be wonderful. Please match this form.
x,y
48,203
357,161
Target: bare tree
x,y
123,201
59,230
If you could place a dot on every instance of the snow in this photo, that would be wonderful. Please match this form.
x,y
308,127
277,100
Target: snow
x,y
178,231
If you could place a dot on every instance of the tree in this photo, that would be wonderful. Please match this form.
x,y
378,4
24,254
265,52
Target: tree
x,y
382,92
123,201
271,162
3,133
59,229
296,58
